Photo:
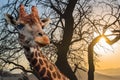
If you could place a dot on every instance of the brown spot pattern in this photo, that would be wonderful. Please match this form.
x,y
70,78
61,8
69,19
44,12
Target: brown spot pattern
x,y
37,68
34,61
36,54
51,67
42,72
54,75
58,75
41,62
49,75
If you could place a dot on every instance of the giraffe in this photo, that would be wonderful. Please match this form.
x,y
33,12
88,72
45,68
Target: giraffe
x,y
32,38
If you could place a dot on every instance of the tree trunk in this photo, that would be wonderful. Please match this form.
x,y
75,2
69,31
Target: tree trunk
x,y
62,62
91,63
91,58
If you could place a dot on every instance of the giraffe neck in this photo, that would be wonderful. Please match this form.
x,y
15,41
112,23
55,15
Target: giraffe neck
x,y
44,68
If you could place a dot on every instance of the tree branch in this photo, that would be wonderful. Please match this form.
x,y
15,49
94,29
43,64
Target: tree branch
x,y
110,42
18,66
54,8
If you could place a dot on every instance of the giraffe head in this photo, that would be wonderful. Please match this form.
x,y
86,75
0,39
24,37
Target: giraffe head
x,y
29,27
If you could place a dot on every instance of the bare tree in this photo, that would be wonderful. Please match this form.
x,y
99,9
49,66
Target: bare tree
x,y
106,21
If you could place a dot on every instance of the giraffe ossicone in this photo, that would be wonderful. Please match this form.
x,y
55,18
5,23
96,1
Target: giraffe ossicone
x,y
31,37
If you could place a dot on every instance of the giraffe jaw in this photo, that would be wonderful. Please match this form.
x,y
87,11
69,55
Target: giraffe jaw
x,y
32,43
41,45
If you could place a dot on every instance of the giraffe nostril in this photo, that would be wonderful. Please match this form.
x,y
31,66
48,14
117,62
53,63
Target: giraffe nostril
x,y
40,34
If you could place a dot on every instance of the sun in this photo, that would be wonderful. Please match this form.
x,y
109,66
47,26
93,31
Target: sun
x,y
102,48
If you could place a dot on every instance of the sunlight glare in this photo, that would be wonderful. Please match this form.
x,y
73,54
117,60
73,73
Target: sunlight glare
x,y
102,48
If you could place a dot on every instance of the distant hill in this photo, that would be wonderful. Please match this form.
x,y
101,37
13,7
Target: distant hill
x,y
115,71
106,74
100,76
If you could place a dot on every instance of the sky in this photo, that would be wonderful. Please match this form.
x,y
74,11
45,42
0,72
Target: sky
x,y
109,57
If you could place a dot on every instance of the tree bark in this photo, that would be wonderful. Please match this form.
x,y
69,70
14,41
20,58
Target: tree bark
x,y
62,62
63,49
91,59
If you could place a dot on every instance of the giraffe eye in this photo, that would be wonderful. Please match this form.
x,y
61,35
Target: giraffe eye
x,y
43,27
39,34
20,26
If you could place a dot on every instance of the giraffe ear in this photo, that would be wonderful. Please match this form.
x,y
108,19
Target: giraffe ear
x,y
45,22
10,19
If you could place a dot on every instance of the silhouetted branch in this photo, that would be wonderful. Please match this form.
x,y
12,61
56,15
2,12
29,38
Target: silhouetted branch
x,y
18,66
77,67
110,42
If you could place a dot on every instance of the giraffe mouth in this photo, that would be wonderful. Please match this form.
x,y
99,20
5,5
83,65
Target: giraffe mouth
x,y
41,45
42,41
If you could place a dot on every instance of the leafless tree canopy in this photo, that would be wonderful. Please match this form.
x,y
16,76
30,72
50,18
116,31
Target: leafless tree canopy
x,y
73,28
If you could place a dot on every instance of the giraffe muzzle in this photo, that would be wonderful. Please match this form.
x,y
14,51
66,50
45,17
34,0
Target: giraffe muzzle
x,y
42,41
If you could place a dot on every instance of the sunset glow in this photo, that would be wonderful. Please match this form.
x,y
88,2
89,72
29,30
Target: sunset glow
x,y
108,54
